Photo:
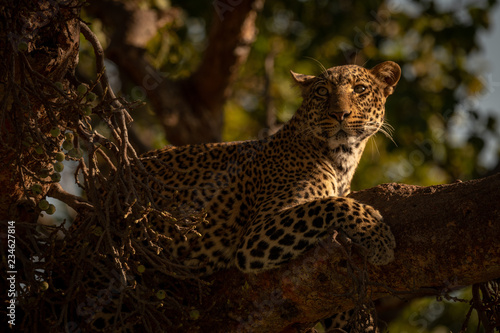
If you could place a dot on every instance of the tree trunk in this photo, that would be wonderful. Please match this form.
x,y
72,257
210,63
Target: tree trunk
x,y
38,46
447,237
190,110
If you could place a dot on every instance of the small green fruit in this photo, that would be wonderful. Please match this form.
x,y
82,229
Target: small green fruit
x,y
58,166
82,89
76,153
141,269
44,173
39,150
87,110
51,210
69,136
56,177
44,286
60,156
194,314
43,204
161,294
67,145
36,189
22,46
91,97
55,131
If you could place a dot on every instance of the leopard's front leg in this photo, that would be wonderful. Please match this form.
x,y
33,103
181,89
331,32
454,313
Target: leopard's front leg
x,y
272,240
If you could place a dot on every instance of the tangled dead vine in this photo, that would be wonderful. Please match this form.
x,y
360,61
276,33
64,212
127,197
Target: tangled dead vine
x,y
110,261
486,301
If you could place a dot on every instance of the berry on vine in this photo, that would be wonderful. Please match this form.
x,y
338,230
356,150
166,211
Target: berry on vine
x,y
55,131
22,46
39,150
69,136
58,166
76,153
91,97
60,156
87,110
36,189
56,177
82,89
161,294
43,204
194,314
44,173
51,210
44,286
67,145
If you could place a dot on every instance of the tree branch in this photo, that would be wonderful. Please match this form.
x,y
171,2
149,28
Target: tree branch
x,y
77,203
229,44
447,237
190,110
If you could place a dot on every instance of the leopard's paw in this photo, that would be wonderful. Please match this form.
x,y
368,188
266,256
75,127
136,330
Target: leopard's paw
x,y
380,240
368,230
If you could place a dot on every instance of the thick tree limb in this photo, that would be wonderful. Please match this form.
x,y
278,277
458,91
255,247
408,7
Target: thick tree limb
x,y
447,237
190,110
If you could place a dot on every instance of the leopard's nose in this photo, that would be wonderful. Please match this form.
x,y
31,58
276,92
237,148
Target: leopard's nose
x,y
340,116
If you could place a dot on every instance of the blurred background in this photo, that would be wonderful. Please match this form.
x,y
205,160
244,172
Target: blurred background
x,y
219,70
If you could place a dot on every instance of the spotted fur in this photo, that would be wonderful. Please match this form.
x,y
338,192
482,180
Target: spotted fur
x,y
269,200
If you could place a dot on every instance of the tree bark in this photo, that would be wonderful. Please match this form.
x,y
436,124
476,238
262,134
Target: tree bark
x,y
190,110
32,62
447,237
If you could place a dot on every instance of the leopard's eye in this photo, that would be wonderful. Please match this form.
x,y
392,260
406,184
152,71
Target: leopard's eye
x,y
359,89
322,91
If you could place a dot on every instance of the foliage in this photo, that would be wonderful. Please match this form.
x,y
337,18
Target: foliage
x,y
430,316
432,48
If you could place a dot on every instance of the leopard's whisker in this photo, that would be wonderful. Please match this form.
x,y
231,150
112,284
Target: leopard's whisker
x,y
385,129
388,130
323,68
374,143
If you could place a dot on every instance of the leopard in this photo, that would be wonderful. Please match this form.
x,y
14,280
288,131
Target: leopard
x,y
269,200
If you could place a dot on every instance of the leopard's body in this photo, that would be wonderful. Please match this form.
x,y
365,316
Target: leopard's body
x,y
269,200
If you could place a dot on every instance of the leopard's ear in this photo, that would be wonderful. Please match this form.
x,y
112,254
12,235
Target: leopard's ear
x,y
389,74
302,79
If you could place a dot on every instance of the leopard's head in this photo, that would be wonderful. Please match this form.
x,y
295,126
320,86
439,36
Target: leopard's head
x,y
346,104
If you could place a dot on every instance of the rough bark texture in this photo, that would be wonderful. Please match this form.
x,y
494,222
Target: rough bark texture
x,y
190,110
447,237
38,43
